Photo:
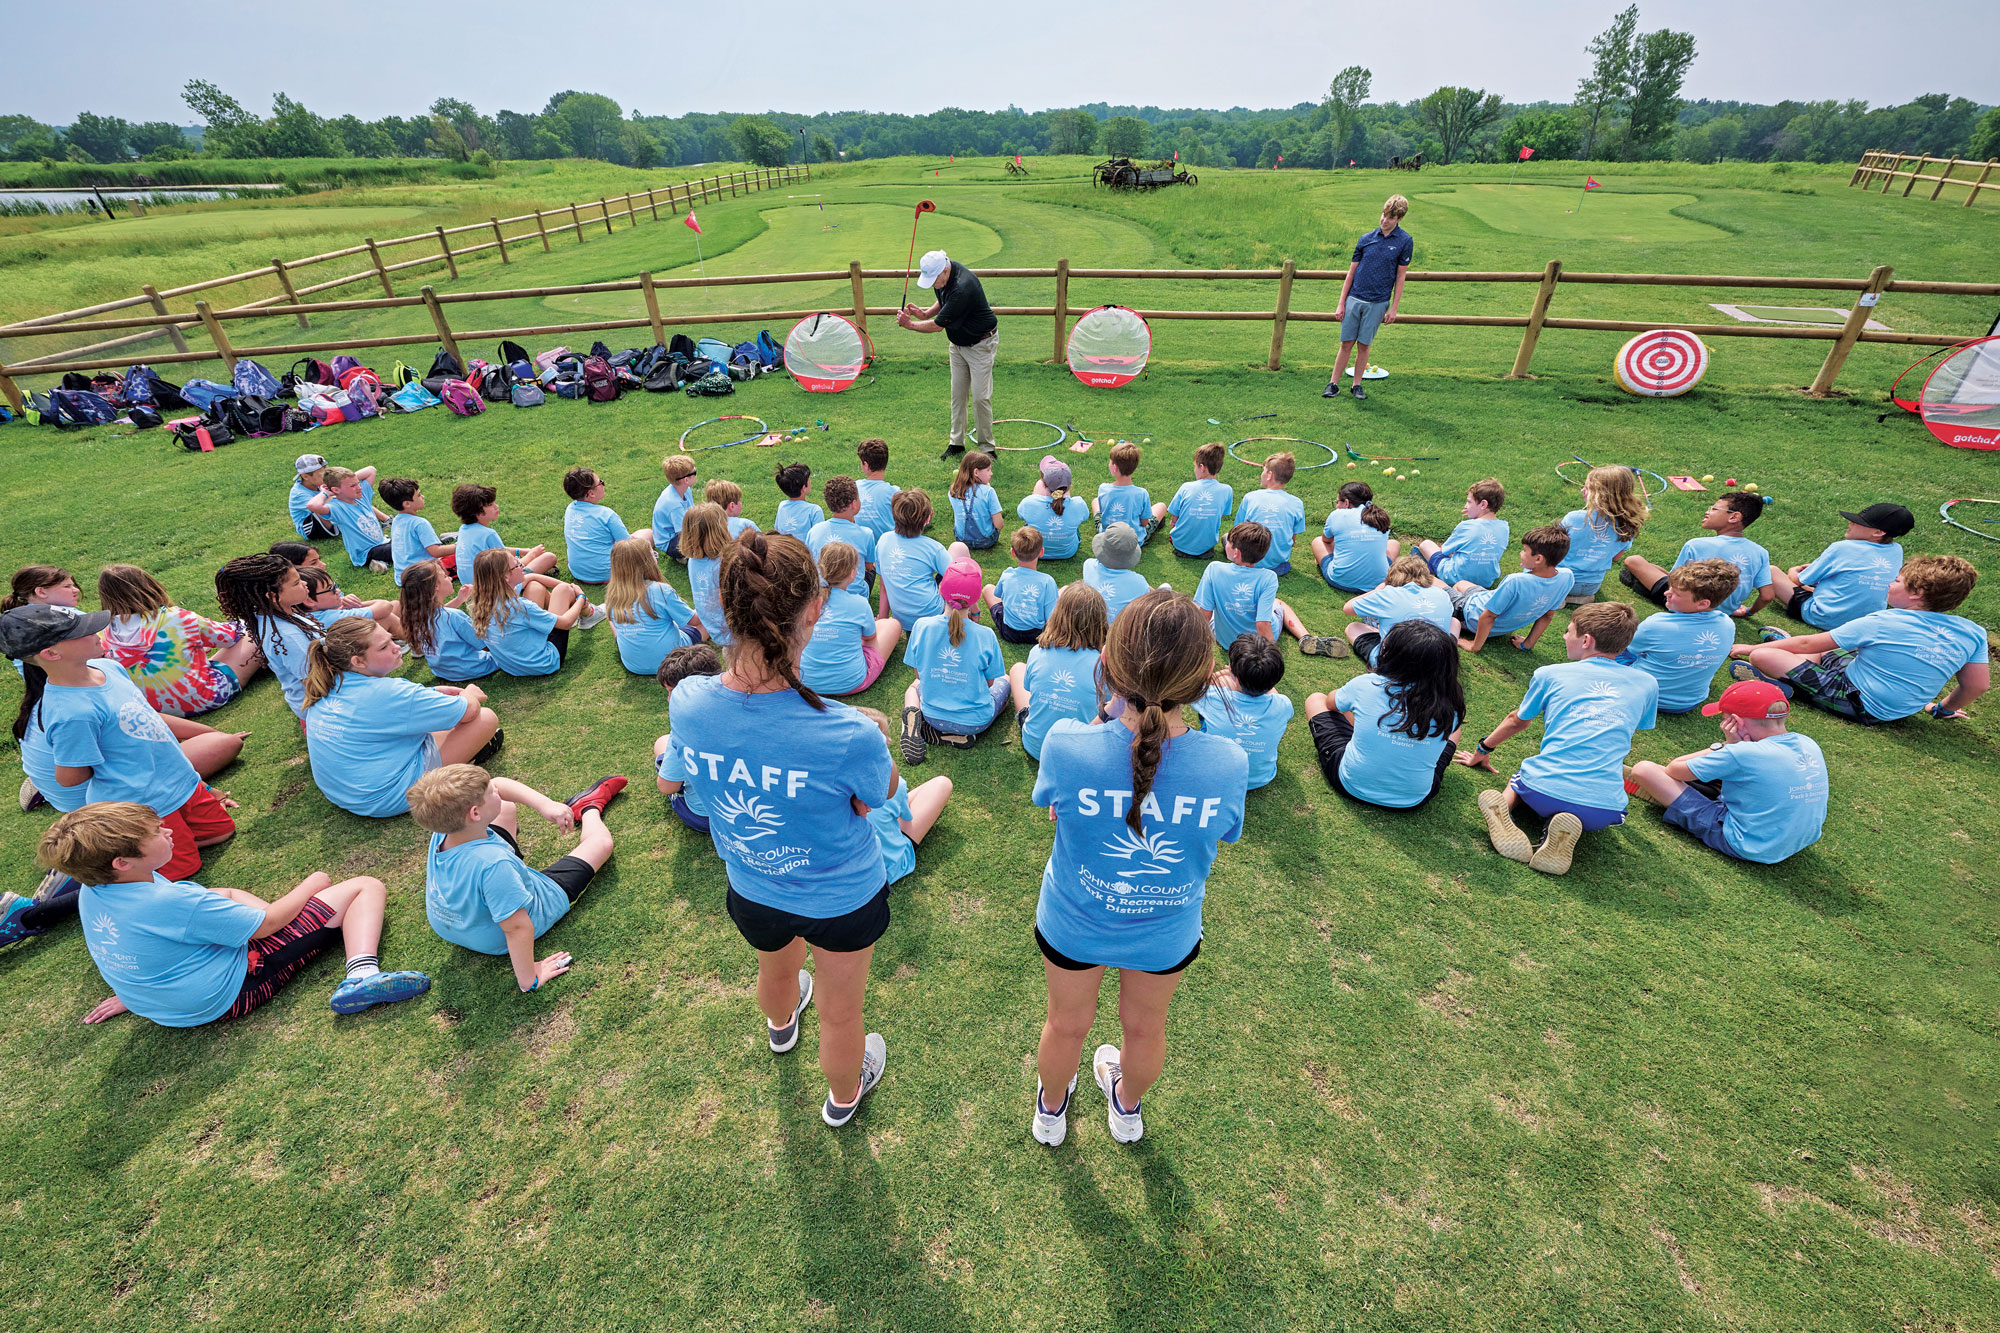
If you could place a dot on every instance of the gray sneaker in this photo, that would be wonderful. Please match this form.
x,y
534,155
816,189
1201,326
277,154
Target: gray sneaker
x,y
30,798
786,1037
592,618
1126,1126
1323,645
379,566
874,1058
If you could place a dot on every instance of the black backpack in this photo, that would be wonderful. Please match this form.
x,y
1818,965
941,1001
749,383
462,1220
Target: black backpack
x,y
203,435
682,346
511,352
251,418
495,384
444,365
665,377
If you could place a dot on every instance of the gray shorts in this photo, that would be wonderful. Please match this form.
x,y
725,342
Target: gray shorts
x,y
1361,321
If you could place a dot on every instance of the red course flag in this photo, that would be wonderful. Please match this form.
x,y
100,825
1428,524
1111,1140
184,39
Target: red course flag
x,y
1590,183
1177,154
692,224
1526,153
1017,159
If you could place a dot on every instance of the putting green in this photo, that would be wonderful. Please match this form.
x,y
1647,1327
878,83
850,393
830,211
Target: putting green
x,y
801,238
1563,213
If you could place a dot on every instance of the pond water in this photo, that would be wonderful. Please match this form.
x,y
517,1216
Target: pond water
x,y
159,194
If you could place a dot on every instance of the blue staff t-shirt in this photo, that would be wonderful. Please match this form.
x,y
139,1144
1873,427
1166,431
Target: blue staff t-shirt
x,y
1256,722
1198,509
832,662
520,645
1059,531
1118,587
973,514
828,531
471,888
1061,683
899,854
1124,504
173,951
1111,897
1849,580
1376,259
1473,551
1237,597
796,518
302,516
660,627
1283,513
360,531
1383,767
410,538
1591,710
112,730
1027,596
1904,657
1681,650
1773,794
371,738
458,654
953,679
1753,564
876,497
910,568
1594,547
1385,607
1519,601
777,777
589,533
669,510
1360,556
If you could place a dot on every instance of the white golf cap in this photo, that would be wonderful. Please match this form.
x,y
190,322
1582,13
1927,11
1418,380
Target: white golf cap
x,y
934,264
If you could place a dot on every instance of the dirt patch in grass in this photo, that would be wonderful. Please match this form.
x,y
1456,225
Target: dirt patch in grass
x,y
1445,1000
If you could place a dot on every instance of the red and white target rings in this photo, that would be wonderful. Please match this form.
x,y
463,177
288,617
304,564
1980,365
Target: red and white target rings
x,y
1662,363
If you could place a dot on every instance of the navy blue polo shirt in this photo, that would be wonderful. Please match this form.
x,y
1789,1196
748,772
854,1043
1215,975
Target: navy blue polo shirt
x,y
1377,257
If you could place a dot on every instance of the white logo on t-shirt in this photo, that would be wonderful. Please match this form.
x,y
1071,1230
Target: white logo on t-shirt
x,y
1149,853
750,817
141,723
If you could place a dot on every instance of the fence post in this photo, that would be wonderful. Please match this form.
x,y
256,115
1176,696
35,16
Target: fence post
x,y
1943,176
860,301
381,271
444,329
1533,333
1278,316
1889,177
1980,184
500,241
216,334
160,308
654,204
605,204
12,392
653,308
1850,332
285,281
450,260
576,220
1062,310
1855,179
543,228
1916,171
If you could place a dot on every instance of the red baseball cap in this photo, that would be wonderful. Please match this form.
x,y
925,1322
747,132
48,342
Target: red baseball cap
x,y
1758,699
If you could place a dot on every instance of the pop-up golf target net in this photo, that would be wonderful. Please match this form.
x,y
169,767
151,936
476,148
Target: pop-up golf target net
x,y
1109,346
1960,402
825,353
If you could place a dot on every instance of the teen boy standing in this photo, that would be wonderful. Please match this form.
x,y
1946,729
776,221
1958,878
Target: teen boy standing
x,y
1371,291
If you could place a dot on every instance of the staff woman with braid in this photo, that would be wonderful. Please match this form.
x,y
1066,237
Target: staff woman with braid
x,y
1140,804
788,779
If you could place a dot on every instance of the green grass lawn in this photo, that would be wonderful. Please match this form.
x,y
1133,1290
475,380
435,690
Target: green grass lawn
x,y
1411,1085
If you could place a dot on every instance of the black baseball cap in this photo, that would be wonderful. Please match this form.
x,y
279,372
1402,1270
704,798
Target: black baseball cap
x,y
1893,520
27,630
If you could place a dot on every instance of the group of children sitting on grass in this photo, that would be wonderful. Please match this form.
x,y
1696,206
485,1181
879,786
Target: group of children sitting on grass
x,y
107,736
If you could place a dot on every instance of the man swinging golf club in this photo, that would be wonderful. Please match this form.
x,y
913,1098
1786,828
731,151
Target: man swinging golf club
x,y
962,314
1371,292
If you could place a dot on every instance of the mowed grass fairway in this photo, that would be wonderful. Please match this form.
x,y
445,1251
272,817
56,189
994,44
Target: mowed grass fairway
x,y
1410,1086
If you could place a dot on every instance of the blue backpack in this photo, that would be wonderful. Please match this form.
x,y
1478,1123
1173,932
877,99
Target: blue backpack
x,y
204,394
253,381
773,355
81,407
413,397
714,349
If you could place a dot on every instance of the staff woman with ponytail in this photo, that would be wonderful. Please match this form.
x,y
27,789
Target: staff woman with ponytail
x,y
1140,804
788,779
370,735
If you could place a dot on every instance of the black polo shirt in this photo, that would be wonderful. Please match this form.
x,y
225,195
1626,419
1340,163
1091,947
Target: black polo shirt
x,y
963,313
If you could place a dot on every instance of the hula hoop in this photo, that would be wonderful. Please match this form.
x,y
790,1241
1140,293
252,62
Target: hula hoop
x,y
1114,436
1389,458
1944,512
1641,472
761,433
1331,455
1061,435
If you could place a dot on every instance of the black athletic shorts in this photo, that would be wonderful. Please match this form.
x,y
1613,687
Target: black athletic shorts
x,y
1796,607
767,929
571,873
1068,964
383,552
1008,634
1332,733
560,638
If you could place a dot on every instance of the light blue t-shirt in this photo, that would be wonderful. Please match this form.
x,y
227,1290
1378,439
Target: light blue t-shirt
x,y
112,730
360,531
738,525
38,761
1473,551
458,654
672,765
910,568
1519,601
302,516
953,680
589,533
1059,531
1124,504
1199,508
705,587
1905,657
657,631
1281,512
668,511
326,615
1237,597
1360,557
1753,564
1384,767
1591,709
1061,683
410,537
371,738
1773,794
1117,586
796,518
876,496
973,514
1111,897
174,952
1256,722
1682,651
472,539
1027,596
1385,607
471,888
832,662
831,530
1594,547
778,777
520,645
1849,580
284,647
899,854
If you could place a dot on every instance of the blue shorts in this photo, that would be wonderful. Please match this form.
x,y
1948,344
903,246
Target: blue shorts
x,y
1325,564
1361,321
1701,815
1593,817
1434,559
1001,691
699,823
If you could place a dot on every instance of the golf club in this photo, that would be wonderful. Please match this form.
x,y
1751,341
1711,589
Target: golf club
x,y
923,207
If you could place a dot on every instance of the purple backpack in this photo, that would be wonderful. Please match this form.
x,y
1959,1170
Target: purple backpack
x,y
462,398
253,381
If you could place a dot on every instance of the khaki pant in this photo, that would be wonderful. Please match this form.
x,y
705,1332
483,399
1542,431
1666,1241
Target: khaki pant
x,y
972,376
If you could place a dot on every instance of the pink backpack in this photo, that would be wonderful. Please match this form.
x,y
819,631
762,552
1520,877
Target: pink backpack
x,y
461,398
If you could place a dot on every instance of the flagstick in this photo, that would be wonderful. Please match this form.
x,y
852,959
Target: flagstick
x,y
701,261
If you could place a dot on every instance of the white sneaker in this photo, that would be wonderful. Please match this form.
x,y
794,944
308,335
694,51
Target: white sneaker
x,y
594,617
874,1058
30,798
379,566
786,1037
1126,1126
1052,1127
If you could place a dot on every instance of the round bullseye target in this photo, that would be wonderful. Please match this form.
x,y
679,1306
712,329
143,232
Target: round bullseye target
x,y
1661,363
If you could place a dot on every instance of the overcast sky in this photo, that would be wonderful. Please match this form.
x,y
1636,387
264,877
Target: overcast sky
x,y
130,57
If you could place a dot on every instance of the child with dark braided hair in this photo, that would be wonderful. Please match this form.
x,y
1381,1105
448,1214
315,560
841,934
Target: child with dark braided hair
x,y
788,779
1140,804
264,594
